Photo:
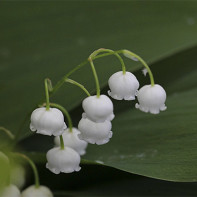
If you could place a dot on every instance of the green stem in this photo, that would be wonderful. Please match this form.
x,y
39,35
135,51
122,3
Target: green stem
x,y
70,124
78,84
106,54
95,77
49,84
34,168
8,132
143,62
61,82
61,142
95,53
47,93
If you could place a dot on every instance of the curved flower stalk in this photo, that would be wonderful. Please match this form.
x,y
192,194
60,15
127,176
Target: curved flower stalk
x,y
17,176
8,133
33,166
135,57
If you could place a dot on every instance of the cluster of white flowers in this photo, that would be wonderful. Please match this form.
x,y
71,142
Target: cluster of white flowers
x,y
125,86
17,181
95,125
32,191
51,122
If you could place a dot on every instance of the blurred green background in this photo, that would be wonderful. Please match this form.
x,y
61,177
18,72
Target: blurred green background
x,y
40,39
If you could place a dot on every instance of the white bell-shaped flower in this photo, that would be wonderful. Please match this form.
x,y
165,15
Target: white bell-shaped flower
x,y
72,140
95,133
17,176
151,99
41,191
123,86
98,109
48,122
10,191
66,160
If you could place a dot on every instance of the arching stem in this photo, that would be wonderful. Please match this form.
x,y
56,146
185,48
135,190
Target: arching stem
x,y
47,93
34,168
8,132
129,53
95,77
61,142
65,112
95,53
79,85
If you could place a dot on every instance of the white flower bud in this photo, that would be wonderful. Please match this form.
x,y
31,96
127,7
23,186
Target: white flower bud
x,y
41,191
48,122
17,176
123,86
66,160
10,191
127,54
72,140
144,71
98,109
151,99
95,133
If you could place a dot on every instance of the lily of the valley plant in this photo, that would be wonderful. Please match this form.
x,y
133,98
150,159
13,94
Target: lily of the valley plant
x,y
95,126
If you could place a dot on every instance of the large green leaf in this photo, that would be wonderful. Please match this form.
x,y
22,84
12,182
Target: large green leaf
x,y
160,146
47,39
103,181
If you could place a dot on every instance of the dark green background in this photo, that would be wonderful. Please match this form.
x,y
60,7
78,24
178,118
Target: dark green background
x,y
47,39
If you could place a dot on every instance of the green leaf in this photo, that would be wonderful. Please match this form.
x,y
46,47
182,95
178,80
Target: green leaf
x,y
98,180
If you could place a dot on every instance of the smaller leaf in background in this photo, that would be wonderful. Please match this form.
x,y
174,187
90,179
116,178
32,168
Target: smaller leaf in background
x,y
4,170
